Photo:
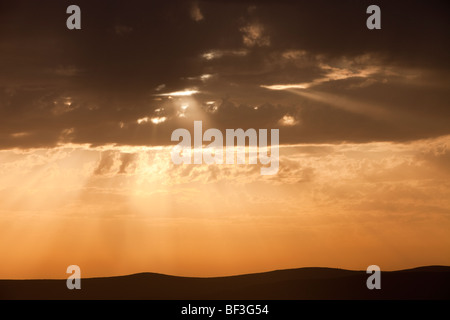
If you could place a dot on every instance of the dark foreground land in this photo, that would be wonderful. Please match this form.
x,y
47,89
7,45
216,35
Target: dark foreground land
x,y
431,282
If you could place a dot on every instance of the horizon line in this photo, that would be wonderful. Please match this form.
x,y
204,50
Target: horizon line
x,y
223,276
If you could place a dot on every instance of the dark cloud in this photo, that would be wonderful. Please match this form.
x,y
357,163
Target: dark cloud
x,y
127,162
92,85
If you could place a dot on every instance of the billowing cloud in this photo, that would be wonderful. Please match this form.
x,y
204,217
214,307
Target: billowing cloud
x,y
253,34
195,12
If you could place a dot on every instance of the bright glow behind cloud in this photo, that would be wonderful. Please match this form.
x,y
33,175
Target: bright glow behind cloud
x,y
184,93
126,201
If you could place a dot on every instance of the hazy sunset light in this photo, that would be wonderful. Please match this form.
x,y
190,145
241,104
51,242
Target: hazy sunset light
x,y
86,118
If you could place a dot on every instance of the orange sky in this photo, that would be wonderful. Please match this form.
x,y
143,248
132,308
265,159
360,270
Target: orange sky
x,y
346,206
86,117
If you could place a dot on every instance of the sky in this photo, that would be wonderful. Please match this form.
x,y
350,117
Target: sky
x,y
86,118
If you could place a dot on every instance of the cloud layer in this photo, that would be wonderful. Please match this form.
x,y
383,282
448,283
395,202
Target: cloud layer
x,y
246,65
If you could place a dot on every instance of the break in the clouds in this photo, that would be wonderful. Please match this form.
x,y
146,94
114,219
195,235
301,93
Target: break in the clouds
x,y
312,70
86,118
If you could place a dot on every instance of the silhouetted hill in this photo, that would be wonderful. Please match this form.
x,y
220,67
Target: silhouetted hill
x,y
431,282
